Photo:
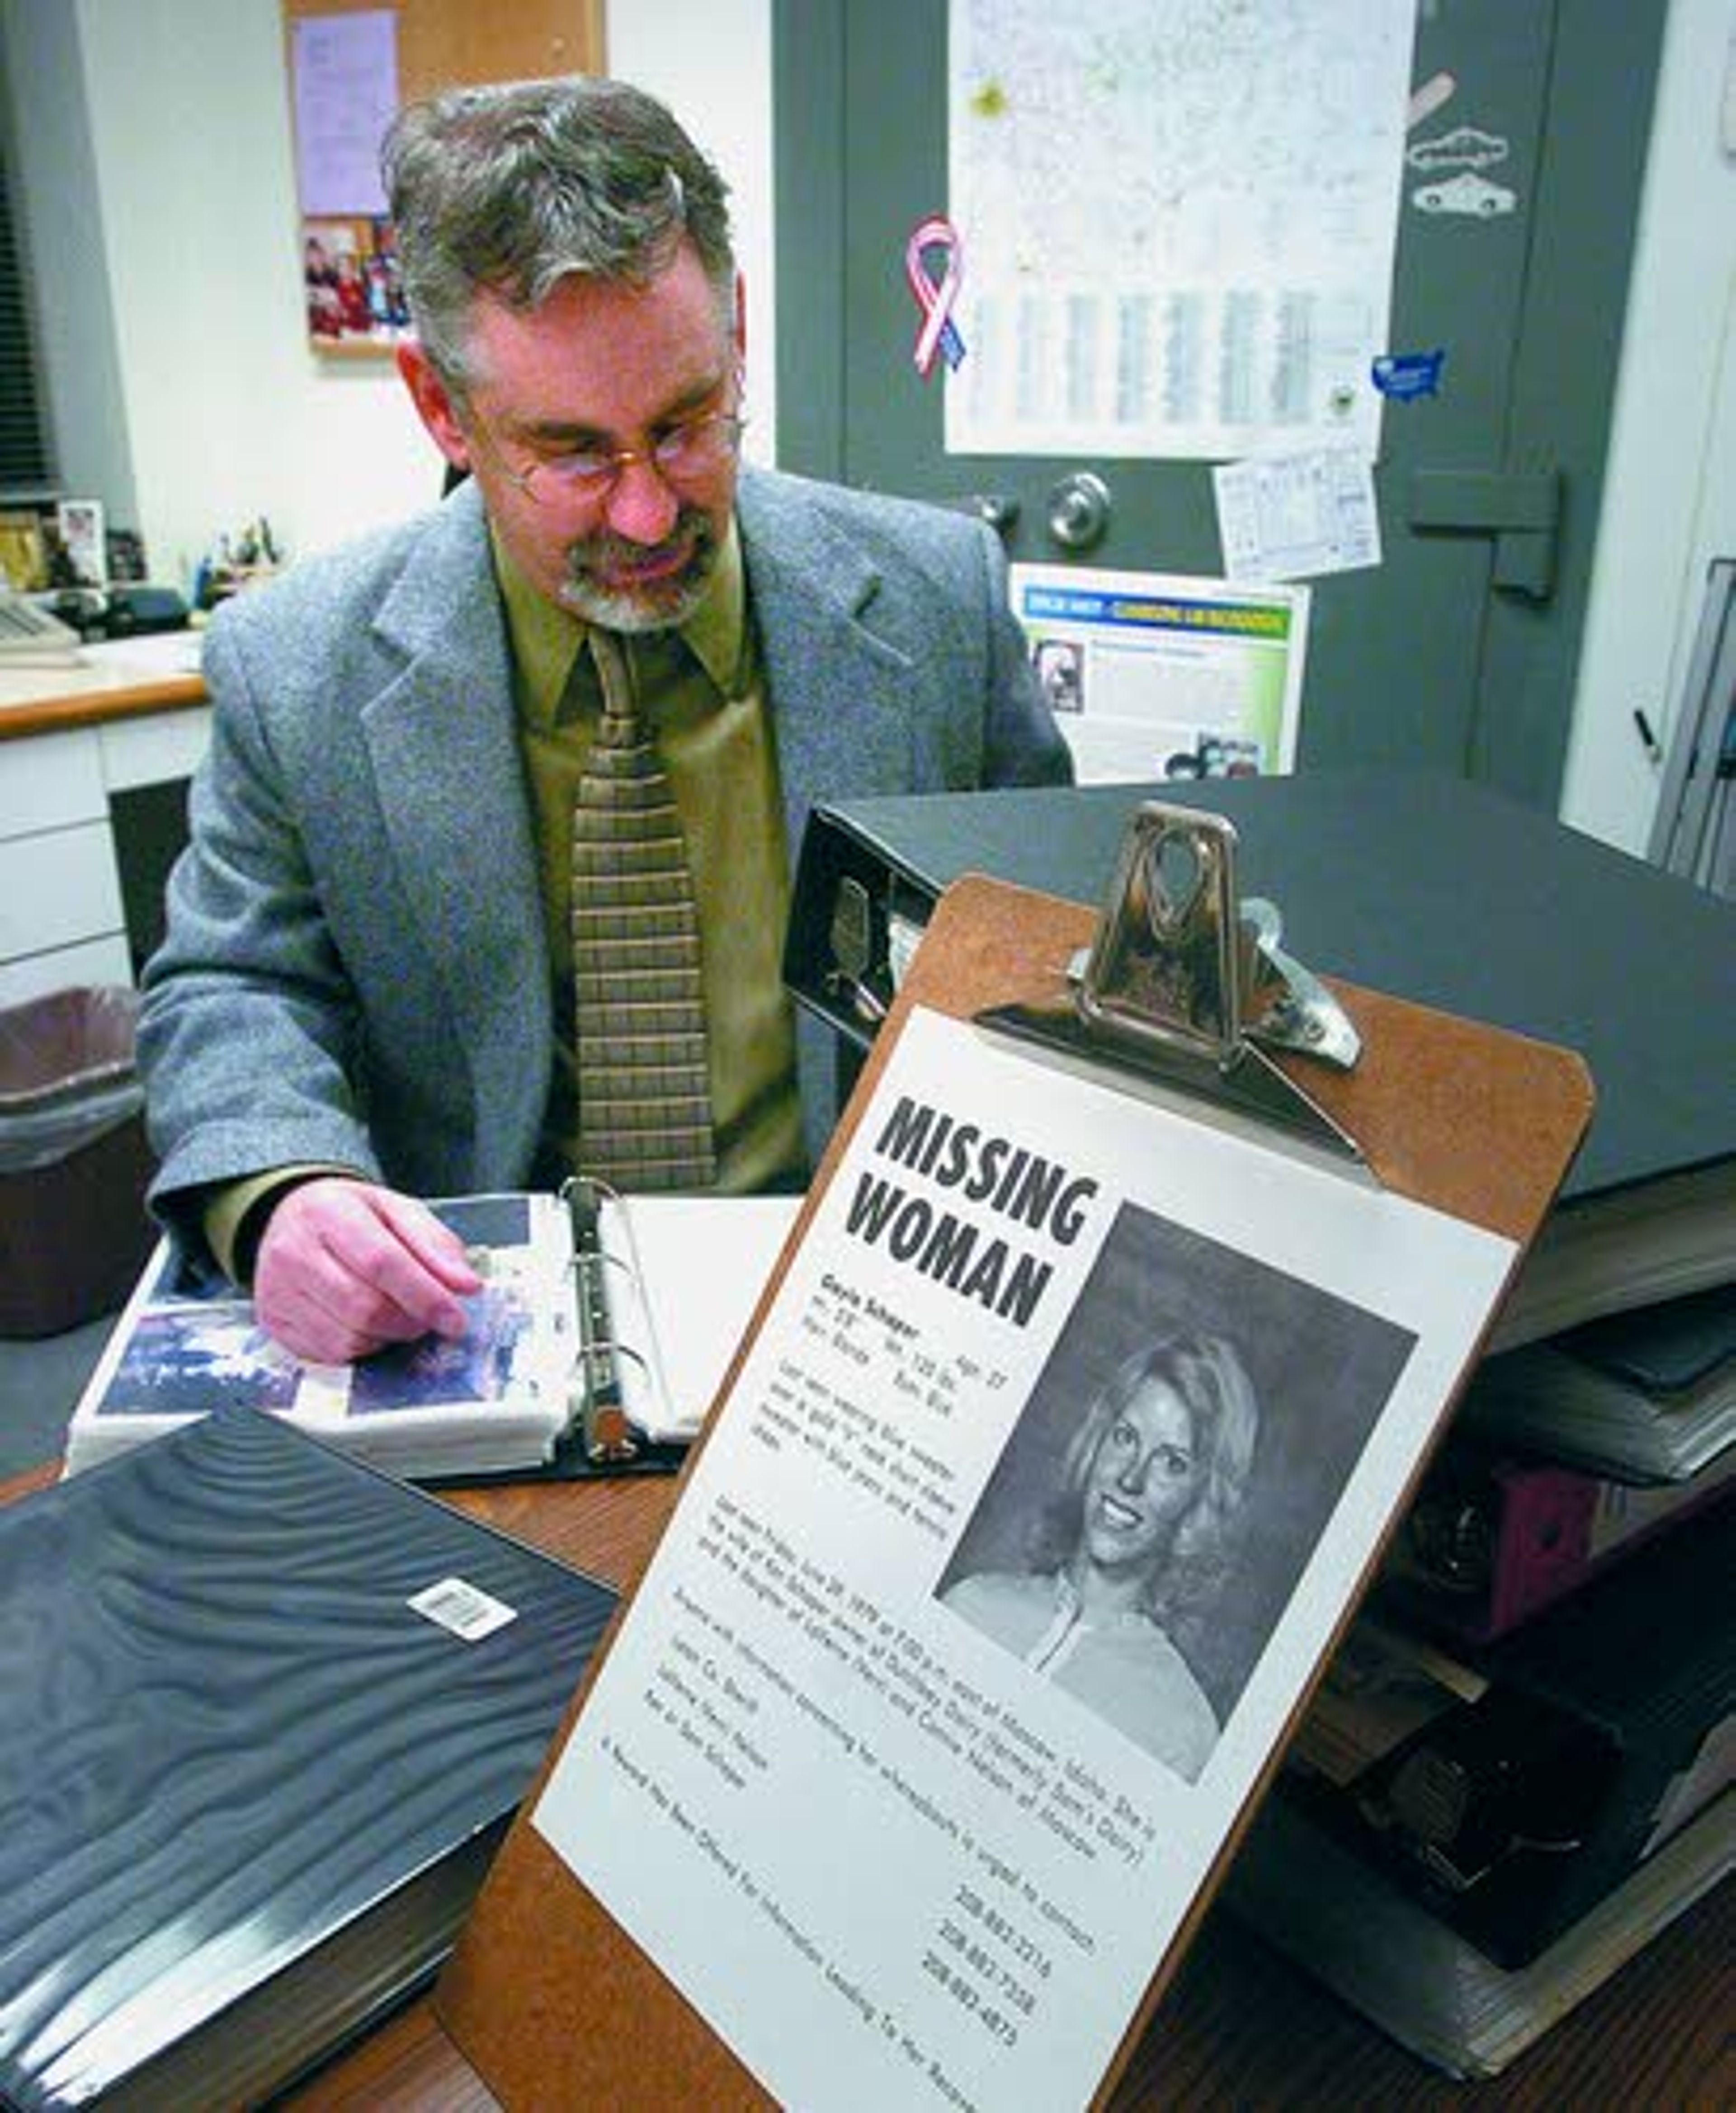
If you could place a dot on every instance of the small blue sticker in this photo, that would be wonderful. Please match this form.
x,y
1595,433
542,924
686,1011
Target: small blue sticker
x,y
1405,375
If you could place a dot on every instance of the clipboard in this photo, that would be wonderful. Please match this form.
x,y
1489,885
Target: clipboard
x,y
1477,1123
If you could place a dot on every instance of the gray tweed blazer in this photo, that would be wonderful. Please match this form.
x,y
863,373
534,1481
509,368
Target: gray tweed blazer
x,y
355,968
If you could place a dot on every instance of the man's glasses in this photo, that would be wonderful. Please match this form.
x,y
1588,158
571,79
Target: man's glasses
x,y
687,453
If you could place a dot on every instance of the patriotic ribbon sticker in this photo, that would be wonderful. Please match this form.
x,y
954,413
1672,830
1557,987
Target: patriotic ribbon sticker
x,y
934,296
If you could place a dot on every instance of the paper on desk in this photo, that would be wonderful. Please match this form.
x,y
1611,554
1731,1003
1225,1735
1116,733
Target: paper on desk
x,y
697,1265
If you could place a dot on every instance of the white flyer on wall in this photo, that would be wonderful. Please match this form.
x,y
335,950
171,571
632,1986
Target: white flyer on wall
x,y
1154,675
1039,1493
1177,220
1297,517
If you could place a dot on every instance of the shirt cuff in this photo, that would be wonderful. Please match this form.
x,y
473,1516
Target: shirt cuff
x,y
235,1215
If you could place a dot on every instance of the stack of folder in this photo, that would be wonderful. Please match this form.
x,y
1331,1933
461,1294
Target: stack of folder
x,y
1428,889
1540,1776
1555,1608
1647,1395
1516,1818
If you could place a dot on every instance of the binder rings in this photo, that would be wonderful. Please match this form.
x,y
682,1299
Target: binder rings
x,y
1494,1536
1467,1121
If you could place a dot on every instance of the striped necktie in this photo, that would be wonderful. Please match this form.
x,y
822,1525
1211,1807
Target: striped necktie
x,y
644,1085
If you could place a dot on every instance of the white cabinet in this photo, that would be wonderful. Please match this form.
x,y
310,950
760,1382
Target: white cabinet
x,y
57,887
150,751
91,962
62,919
51,781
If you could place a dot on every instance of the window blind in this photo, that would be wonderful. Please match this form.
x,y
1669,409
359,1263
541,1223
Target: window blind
x,y
26,457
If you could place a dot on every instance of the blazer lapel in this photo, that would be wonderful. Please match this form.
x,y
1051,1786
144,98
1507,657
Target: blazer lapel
x,y
446,754
841,697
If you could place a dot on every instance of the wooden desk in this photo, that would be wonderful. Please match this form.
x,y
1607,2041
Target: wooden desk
x,y
117,681
1240,2027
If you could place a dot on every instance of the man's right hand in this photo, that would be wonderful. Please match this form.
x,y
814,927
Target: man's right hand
x,y
345,1267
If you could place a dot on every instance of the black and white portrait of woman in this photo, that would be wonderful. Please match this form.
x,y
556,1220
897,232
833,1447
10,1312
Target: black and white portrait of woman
x,y
1151,1484
1165,1483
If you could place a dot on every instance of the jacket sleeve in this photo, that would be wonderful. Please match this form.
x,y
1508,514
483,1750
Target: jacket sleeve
x,y
248,1022
1022,744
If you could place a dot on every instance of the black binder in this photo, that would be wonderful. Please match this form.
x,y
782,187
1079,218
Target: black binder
x,y
268,1713
1596,1737
1430,888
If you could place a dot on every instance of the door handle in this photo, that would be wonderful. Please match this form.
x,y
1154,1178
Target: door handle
x,y
1520,509
1079,509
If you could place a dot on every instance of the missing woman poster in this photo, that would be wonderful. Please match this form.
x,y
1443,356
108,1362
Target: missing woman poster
x,y
1033,1509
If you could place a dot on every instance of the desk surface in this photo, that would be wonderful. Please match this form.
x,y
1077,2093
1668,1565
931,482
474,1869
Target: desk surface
x,y
1241,2026
124,679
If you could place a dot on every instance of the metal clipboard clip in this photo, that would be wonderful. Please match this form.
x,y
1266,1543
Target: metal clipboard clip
x,y
1187,983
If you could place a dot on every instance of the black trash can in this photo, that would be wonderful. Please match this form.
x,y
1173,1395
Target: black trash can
x,y
74,1163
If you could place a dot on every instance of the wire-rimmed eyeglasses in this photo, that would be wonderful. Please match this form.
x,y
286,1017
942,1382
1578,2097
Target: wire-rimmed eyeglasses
x,y
686,453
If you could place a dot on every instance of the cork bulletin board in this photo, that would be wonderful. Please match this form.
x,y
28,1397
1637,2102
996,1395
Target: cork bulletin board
x,y
348,64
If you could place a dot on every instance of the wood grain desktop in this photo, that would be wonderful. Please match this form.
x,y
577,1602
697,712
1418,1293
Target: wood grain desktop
x,y
1239,2027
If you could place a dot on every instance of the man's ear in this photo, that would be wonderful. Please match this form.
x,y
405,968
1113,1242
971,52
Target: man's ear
x,y
433,404
741,320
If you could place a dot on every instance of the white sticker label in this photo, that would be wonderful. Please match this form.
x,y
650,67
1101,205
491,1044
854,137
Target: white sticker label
x,y
465,1609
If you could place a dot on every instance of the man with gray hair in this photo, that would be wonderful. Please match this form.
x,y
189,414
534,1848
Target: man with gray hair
x,y
375,986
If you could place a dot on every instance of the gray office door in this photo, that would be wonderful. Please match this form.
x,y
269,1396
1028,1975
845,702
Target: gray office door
x,y
1459,652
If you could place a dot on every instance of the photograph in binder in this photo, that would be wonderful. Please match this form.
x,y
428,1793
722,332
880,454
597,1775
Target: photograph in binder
x,y
188,1343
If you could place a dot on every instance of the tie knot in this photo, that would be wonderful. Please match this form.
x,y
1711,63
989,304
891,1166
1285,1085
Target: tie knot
x,y
615,674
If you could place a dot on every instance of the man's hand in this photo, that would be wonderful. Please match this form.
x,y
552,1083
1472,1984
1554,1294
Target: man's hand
x,y
345,1268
